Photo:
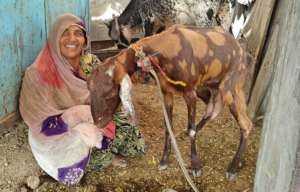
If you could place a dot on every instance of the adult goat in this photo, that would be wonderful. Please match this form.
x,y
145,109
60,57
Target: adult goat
x,y
154,16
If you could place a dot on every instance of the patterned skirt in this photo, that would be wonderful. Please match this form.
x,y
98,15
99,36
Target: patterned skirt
x,y
128,142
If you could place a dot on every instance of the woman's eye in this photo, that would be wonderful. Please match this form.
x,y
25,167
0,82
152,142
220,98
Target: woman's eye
x,y
66,33
79,33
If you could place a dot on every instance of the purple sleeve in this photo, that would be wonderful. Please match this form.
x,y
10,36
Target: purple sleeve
x,y
54,125
106,144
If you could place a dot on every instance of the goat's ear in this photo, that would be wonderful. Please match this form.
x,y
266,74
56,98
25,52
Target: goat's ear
x,y
114,18
126,30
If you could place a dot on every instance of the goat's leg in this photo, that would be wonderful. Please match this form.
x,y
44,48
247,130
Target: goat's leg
x,y
204,94
191,99
168,99
214,107
238,110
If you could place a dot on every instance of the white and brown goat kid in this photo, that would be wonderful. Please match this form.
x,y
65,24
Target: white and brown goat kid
x,y
211,64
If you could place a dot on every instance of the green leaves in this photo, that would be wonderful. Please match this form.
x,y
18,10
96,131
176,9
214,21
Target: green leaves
x,y
128,142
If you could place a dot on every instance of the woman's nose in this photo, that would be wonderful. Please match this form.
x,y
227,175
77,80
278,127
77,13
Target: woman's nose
x,y
72,37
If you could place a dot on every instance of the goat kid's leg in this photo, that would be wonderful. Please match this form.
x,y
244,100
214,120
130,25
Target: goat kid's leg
x,y
191,99
214,107
238,110
205,95
168,101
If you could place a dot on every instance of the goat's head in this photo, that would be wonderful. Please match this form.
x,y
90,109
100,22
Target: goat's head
x,y
114,29
104,96
119,33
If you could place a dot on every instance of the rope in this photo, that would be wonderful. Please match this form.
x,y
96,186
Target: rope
x,y
182,83
140,54
174,144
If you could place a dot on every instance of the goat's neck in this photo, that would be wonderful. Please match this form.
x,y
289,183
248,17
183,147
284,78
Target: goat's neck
x,y
125,63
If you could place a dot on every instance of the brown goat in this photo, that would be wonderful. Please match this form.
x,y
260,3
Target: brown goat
x,y
210,62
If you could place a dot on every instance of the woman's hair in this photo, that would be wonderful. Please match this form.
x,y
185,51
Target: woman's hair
x,y
85,37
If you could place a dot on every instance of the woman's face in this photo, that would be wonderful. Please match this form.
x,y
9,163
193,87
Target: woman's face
x,y
72,42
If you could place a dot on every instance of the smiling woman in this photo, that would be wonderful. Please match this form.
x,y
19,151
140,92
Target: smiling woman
x,y
55,104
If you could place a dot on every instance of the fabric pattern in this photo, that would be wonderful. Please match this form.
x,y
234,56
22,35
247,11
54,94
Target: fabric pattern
x,y
128,142
88,62
72,174
54,125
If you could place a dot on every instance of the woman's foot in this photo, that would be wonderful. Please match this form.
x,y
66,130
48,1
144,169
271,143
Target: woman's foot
x,y
119,162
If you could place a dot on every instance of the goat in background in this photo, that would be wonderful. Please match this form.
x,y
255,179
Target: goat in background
x,y
155,16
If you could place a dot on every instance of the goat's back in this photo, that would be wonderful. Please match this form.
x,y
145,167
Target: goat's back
x,y
197,55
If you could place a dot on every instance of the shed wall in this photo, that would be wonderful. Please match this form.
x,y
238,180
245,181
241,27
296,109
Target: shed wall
x,y
277,155
24,25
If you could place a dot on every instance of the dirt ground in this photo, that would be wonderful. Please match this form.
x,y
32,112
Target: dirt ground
x,y
217,144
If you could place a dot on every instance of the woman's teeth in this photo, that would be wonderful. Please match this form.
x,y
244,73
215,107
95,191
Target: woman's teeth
x,y
70,46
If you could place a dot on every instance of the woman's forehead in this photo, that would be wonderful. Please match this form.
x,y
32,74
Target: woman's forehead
x,y
74,28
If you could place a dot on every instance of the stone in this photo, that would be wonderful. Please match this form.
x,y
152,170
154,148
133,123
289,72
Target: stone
x,y
33,182
23,189
169,190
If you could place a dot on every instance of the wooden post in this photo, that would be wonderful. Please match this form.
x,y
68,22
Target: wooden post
x,y
256,29
9,119
264,76
275,168
255,33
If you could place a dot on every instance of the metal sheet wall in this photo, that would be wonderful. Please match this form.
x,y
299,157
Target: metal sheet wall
x,y
24,25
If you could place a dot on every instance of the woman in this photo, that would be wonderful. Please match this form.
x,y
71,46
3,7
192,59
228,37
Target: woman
x,y
54,103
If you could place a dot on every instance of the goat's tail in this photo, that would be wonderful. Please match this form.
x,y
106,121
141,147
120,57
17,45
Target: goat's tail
x,y
249,59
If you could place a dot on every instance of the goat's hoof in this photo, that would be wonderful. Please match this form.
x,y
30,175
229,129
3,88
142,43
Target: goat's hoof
x,y
162,167
196,173
231,176
192,133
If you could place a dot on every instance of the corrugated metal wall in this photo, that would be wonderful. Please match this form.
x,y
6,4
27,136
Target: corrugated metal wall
x,y
24,25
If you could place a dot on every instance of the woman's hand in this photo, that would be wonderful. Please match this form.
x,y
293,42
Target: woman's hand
x,y
109,130
77,114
